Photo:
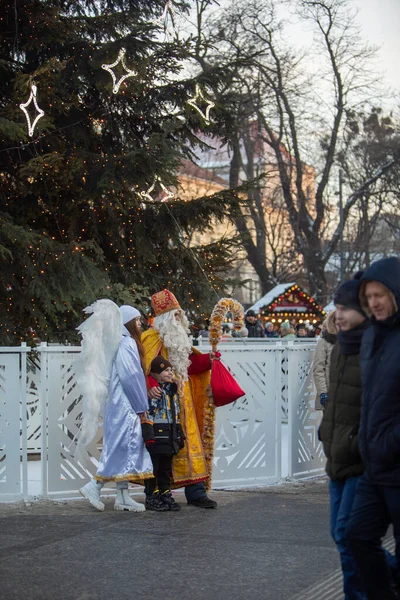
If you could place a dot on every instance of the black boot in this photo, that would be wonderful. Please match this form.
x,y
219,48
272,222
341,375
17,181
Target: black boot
x,y
154,502
167,498
204,502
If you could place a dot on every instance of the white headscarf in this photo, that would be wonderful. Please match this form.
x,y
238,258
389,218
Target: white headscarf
x,y
128,313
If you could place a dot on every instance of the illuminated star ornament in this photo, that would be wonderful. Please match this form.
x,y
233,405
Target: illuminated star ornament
x,y
109,68
40,112
200,96
167,21
168,9
167,194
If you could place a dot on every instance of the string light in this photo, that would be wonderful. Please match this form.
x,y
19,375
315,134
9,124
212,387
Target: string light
x,y
200,96
23,107
168,194
109,68
168,9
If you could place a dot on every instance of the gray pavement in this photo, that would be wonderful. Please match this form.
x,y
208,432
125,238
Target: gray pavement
x,y
272,543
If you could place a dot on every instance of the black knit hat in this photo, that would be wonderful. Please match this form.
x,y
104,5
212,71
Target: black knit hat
x,y
250,313
159,364
347,294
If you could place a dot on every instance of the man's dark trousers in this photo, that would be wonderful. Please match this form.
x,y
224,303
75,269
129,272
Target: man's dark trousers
x,y
374,508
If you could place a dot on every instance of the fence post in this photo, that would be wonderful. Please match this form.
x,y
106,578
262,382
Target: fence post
x,y
278,405
24,434
43,406
289,351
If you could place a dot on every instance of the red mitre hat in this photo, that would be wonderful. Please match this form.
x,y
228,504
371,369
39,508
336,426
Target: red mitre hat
x,y
163,302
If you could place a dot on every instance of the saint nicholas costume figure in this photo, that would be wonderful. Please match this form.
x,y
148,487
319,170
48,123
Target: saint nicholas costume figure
x,y
192,466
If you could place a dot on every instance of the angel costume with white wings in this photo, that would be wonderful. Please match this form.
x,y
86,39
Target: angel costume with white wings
x,y
112,382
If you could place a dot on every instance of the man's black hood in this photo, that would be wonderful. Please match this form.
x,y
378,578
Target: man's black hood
x,y
387,272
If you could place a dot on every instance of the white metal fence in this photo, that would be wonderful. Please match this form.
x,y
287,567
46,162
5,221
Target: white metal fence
x,y
40,414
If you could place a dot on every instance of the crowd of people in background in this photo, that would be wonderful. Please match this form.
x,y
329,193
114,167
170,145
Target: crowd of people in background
x,y
256,328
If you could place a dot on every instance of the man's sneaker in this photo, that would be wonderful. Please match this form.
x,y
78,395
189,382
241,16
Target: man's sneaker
x,y
154,502
91,491
167,498
204,502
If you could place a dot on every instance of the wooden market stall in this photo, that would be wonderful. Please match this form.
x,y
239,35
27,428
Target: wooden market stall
x,y
288,302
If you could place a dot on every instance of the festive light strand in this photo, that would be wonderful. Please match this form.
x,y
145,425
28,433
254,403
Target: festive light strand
x,y
167,17
54,132
129,72
200,96
168,194
168,9
189,249
23,107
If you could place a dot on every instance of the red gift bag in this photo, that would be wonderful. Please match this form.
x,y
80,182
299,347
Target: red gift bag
x,y
225,388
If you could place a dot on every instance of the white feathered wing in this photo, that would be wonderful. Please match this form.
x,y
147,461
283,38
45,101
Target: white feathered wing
x,y
101,335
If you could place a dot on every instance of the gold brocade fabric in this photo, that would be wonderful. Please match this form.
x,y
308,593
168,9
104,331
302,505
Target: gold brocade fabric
x,y
194,462
131,477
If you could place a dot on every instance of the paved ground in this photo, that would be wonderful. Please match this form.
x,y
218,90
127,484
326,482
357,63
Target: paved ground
x,y
271,544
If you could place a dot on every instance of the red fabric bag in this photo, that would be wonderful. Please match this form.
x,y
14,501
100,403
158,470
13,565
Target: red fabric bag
x,y
225,388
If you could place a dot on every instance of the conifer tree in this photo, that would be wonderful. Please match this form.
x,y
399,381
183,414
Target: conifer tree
x,y
74,225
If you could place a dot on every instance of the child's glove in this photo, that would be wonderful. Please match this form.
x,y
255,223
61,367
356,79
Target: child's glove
x,y
148,437
323,398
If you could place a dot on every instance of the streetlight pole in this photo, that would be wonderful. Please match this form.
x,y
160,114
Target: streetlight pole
x,y
341,226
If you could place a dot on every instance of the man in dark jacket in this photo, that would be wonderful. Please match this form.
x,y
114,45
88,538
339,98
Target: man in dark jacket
x,y
253,326
377,501
339,427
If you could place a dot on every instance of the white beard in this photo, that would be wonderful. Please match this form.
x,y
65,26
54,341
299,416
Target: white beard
x,y
174,335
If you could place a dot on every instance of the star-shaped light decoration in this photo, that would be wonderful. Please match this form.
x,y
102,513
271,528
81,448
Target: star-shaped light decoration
x,y
167,195
167,21
40,112
168,9
200,96
109,68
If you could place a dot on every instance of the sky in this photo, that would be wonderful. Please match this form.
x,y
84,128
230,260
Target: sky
x,y
380,26
380,22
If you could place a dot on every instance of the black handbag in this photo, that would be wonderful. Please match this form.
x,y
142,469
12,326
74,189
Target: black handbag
x,y
169,438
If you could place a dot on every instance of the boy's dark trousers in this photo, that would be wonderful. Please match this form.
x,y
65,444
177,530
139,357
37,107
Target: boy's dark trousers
x,y
374,508
162,467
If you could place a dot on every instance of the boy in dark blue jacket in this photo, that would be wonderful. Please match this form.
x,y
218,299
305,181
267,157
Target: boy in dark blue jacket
x,y
163,435
377,501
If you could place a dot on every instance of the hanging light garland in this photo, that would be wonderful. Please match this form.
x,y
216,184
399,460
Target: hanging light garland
x,y
40,112
168,195
129,72
168,9
200,96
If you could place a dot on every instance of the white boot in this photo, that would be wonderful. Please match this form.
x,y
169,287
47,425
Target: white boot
x,y
91,491
123,501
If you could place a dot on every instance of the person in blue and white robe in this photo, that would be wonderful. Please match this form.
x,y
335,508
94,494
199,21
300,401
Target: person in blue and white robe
x,y
124,457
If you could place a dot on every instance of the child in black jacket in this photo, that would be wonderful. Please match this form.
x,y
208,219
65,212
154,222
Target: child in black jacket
x,y
163,436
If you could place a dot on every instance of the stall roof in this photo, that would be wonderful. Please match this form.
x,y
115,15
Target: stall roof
x,y
271,295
